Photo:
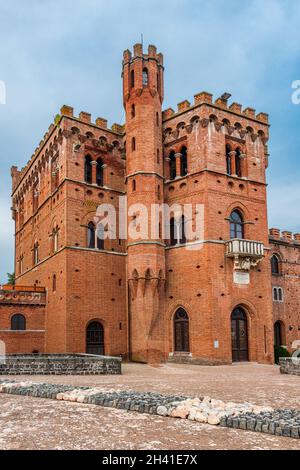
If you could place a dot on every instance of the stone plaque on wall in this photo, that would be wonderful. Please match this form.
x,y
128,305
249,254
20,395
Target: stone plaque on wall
x,y
242,278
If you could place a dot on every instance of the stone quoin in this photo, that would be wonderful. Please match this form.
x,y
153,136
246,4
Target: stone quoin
x,y
230,298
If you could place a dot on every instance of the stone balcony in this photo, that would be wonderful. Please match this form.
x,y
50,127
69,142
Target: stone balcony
x,y
246,253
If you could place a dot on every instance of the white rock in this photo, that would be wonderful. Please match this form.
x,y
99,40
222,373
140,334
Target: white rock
x,y
180,412
162,411
200,417
213,419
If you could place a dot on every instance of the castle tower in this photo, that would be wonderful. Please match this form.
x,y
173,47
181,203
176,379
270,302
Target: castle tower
x,y
143,96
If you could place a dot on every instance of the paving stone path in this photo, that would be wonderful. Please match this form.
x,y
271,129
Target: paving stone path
x,y
246,416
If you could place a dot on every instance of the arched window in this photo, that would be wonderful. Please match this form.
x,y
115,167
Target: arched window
x,y
275,266
95,338
100,237
99,172
181,331
133,111
177,231
132,79
36,253
18,322
183,162
133,185
133,144
145,77
236,225
91,235
88,169
172,165
238,163
278,334
228,160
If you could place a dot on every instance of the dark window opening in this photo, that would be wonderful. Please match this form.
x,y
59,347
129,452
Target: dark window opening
x,y
236,225
88,169
18,322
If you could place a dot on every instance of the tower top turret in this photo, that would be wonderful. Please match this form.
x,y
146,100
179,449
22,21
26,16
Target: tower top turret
x,y
142,71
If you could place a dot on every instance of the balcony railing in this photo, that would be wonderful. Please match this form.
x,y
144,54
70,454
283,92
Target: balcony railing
x,y
245,248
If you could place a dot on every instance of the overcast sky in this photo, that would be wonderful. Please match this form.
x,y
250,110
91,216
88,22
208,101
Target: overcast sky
x,y
70,52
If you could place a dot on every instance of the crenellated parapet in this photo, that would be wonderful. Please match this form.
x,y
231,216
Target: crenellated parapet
x,y
284,236
205,98
230,120
82,130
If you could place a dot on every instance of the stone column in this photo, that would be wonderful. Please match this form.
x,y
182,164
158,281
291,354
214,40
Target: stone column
x,y
233,164
178,157
94,165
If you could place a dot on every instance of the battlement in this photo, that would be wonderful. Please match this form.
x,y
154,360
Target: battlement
x,y
222,103
86,118
65,111
139,53
284,236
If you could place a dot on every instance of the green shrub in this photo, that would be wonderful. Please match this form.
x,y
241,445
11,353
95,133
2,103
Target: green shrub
x,y
279,351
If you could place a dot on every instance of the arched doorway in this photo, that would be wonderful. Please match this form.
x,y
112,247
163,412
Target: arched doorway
x,y
278,336
95,338
181,331
239,335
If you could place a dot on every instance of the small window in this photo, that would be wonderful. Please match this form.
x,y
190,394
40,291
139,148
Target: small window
x,y
133,111
157,119
132,79
88,169
177,231
18,322
54,283
99,172
172,165
133,144
228,160
36,253
133,185
238,163
275,267
183,162
145,77
236,225
91,235
277,294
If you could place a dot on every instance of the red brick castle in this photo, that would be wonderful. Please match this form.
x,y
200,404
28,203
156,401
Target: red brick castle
x,y
225,296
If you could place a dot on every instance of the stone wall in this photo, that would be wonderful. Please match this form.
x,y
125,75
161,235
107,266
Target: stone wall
x,y
289,365
60,364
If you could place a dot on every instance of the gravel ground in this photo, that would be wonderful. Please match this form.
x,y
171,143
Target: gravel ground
x,y
33,423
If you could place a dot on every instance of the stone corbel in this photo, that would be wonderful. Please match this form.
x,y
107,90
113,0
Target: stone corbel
x,y
242,263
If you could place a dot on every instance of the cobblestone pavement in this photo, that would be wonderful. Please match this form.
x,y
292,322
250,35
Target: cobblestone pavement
x,y
35,423
28,422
